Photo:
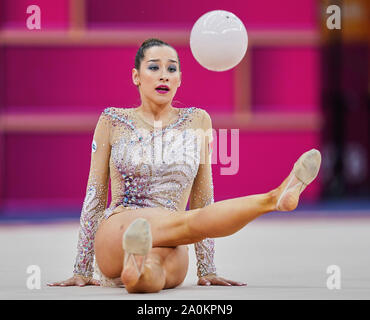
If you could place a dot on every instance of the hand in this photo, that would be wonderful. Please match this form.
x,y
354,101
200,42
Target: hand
x,y
212,279
76,280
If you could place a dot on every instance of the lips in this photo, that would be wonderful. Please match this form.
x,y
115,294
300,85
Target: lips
x,y
162,88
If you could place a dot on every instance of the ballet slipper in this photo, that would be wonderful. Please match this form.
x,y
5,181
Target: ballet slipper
x,y
137,240
305,170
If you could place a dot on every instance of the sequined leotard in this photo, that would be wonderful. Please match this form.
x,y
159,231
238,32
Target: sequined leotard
x,y
126,149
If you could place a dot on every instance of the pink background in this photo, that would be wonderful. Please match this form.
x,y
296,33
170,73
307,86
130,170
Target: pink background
x,y
51,168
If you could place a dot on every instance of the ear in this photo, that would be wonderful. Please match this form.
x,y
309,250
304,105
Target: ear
x,y
135,77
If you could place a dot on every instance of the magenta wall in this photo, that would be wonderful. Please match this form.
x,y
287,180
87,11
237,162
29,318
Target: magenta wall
x,y
286,79
263,14
46,166
54,14
117,13
255,14
265,160
94,77
52,167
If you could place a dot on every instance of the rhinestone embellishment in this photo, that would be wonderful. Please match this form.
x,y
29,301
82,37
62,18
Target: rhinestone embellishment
x,y
94,146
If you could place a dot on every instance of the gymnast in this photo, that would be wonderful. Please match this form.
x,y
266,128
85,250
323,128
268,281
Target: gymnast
x,y
141,240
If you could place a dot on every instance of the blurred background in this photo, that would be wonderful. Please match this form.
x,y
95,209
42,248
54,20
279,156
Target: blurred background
x,y
300,86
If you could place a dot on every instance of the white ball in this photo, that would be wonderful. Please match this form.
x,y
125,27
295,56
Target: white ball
x,y
218,40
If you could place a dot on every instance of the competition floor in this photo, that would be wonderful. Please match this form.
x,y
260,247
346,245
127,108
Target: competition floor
x,y
279,256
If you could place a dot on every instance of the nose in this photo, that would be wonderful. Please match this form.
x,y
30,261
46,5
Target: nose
x,y
164,76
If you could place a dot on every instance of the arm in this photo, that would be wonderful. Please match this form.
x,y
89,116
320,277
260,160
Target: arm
x,y
202,195
95,200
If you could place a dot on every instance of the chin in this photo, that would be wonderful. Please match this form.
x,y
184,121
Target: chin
x,y
163,98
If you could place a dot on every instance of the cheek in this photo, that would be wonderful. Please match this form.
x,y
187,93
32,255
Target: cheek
x,y
175,80
147,82
147,76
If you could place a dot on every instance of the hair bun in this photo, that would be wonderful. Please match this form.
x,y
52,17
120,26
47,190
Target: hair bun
x,y
153,41
148,43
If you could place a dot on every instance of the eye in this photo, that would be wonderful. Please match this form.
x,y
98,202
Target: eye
x,y
153,67
172,69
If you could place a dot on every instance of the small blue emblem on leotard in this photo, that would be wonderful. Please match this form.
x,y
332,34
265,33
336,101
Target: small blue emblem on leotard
x,y
94,146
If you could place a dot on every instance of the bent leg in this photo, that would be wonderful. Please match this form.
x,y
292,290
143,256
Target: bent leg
x,y
164,268
108,239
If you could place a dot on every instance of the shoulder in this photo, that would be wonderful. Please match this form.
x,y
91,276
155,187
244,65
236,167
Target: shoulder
x,y
110,114
200,118
205,118
200,113
114,112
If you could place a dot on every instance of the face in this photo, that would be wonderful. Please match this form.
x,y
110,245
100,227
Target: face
x,y
160,66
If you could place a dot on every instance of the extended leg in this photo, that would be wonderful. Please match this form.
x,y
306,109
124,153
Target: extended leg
x,y
226,217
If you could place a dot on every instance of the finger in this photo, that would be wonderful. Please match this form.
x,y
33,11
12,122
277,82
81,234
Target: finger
x,y
94,282
235,283
204,282
67,283
55,284
79,282
50,284
231,282
220,282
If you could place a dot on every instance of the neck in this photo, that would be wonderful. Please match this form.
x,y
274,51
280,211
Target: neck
x,y
157,112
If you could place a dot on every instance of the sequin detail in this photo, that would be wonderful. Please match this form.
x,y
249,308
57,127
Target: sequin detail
x,y
144,173
91,202
94,146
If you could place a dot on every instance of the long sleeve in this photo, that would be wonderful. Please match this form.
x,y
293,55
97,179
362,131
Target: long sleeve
x,y
96,198
202,195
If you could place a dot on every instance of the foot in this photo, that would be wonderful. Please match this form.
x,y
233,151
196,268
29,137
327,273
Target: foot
x,y
136,243
304,172
130,274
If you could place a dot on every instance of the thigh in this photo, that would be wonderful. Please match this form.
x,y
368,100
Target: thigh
x,y
108,239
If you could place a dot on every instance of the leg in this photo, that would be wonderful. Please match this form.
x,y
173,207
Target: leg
x,y
170,231
137,239
164,268
152,279
174,229
219,219
110,255
227,217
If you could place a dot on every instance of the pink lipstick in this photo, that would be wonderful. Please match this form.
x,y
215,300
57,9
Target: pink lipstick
x,y
162,89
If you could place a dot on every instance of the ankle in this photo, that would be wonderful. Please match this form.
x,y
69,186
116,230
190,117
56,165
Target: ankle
x,y
272,198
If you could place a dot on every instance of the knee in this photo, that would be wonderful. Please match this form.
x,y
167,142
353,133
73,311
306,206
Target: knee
x,y
144,289
147,284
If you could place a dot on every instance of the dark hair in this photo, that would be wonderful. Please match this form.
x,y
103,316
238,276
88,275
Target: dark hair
x,y
148,43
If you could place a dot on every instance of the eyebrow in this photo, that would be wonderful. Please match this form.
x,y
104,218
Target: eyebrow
x,y
155,60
